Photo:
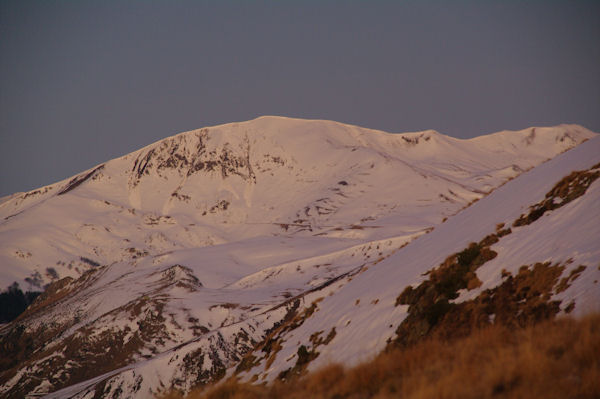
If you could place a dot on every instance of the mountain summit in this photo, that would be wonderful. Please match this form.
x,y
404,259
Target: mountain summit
x,y
176,264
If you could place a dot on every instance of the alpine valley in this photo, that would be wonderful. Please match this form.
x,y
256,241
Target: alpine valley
x,y
270,247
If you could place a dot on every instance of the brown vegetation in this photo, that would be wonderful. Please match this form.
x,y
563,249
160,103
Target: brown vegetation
x,y
429,302
519,301
566,190
553,359
272,344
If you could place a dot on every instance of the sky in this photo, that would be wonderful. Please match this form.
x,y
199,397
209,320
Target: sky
x,y
83,82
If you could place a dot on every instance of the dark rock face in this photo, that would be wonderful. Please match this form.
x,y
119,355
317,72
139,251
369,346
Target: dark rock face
x,y
190,153
78,180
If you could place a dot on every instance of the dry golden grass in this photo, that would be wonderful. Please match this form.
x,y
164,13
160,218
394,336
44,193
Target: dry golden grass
x,y
553,359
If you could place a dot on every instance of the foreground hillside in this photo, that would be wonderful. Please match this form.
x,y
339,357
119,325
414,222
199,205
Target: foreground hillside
x,y
271,247
553,359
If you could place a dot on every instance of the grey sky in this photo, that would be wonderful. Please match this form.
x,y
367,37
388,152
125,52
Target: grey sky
x,y
82,82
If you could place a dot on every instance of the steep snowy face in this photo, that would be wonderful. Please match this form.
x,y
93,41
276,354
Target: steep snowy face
x,y
530,250
269,176
184,256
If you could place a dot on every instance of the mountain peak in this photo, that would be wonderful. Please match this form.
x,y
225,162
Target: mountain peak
x,y
171,263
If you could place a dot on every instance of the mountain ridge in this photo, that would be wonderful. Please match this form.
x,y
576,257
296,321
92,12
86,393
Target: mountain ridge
x,y
192,255
185,162
575,127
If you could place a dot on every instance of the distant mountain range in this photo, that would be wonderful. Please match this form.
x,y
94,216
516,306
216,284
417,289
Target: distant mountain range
x,y
268,247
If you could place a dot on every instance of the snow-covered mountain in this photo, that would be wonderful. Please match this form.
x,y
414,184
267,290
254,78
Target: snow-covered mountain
x,y
226,249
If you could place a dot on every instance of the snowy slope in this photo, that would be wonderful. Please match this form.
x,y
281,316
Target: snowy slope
x,y
365,318
188,252
263,177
